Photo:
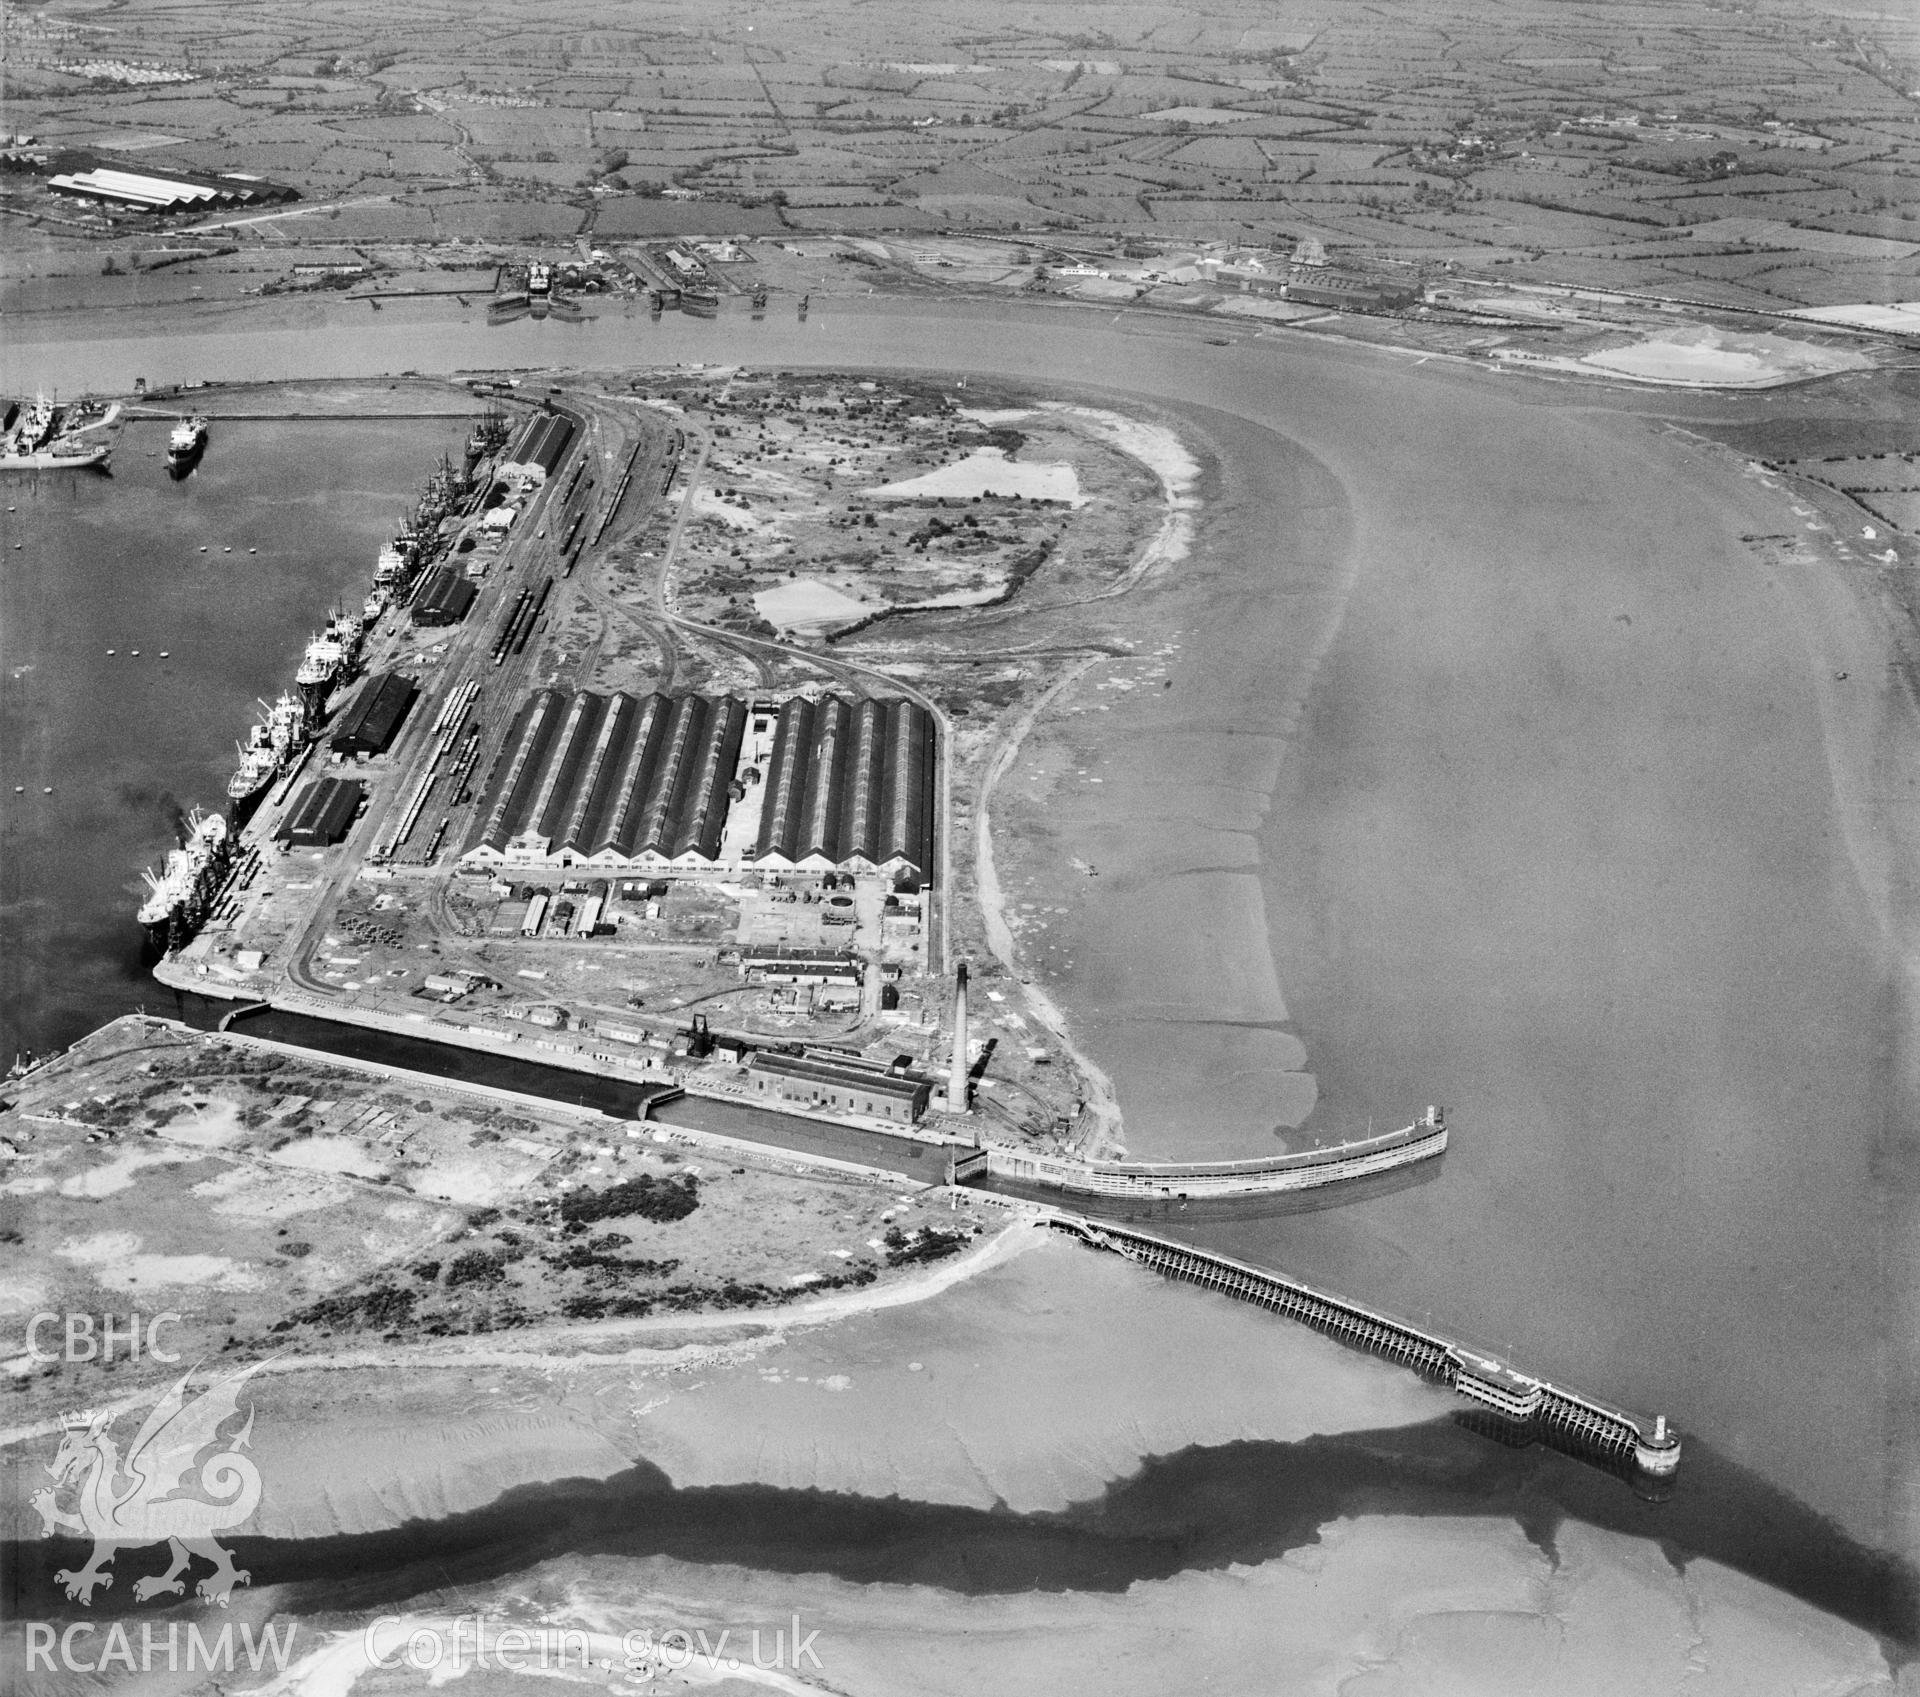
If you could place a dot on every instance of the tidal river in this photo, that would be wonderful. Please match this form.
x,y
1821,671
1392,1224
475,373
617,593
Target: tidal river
x,y
1513,774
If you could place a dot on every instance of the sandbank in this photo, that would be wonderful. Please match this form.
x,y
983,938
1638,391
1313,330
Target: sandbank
x,y
1385,1606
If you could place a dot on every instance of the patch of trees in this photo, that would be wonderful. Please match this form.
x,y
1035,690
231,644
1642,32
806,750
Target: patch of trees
x,y
601,1255
379,1306
480,1266
686,1298
930,1243
651,1198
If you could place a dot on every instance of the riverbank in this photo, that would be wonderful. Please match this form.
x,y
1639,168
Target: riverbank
x,y
1103,1138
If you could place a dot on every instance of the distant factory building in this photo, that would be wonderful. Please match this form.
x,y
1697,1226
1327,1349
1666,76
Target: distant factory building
x,y
1352,294
168,191
824,1078
538,450
377,713
611,780
324,814
850,783
445,600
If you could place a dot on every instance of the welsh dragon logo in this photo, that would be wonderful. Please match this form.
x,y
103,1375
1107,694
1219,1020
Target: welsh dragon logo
x,y
162,1491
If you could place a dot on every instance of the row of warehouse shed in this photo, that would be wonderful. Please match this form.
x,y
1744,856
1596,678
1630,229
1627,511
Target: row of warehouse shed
x,y
612,780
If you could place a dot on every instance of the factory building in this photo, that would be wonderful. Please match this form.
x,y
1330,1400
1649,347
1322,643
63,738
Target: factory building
x,y
377,713
825,1078
538,450
849,784
781,963
1352,294
611,780
324,814
169,191
617,781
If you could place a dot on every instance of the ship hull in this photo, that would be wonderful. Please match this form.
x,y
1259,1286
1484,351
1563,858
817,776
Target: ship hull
x,y
241,808
45,459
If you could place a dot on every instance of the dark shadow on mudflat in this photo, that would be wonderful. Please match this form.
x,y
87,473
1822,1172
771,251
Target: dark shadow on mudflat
x,y
1201,1509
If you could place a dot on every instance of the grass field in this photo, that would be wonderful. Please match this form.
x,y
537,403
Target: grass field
x,y
1785,145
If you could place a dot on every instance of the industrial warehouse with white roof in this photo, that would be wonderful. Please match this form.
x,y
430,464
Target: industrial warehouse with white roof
x,y
167,191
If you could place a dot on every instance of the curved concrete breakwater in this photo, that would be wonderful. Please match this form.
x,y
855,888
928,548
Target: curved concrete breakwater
x,y
1305,1169
1531,1407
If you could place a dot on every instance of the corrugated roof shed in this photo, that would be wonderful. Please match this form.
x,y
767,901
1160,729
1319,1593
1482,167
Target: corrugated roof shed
x,y
541,446
324,813
850,782
614,777
445,600
368,726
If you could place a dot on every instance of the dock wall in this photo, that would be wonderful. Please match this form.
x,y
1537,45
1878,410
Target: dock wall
x,y
771,1158
1307,1169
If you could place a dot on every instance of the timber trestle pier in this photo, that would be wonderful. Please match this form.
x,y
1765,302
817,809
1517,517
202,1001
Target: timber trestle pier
x,y
1559,1418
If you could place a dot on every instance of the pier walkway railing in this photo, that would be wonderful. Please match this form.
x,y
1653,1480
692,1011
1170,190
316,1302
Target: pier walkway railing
x,y
1563,1418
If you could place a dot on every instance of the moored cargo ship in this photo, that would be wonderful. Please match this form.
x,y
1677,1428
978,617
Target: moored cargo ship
x,y
186,442
331,654
182,894
269,750
490,433
42,436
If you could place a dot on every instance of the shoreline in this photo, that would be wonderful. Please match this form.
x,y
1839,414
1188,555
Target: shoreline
x,y
1104,1105
1162,452
1017,1237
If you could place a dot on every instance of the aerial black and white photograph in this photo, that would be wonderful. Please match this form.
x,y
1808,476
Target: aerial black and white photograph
x,y
924,851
